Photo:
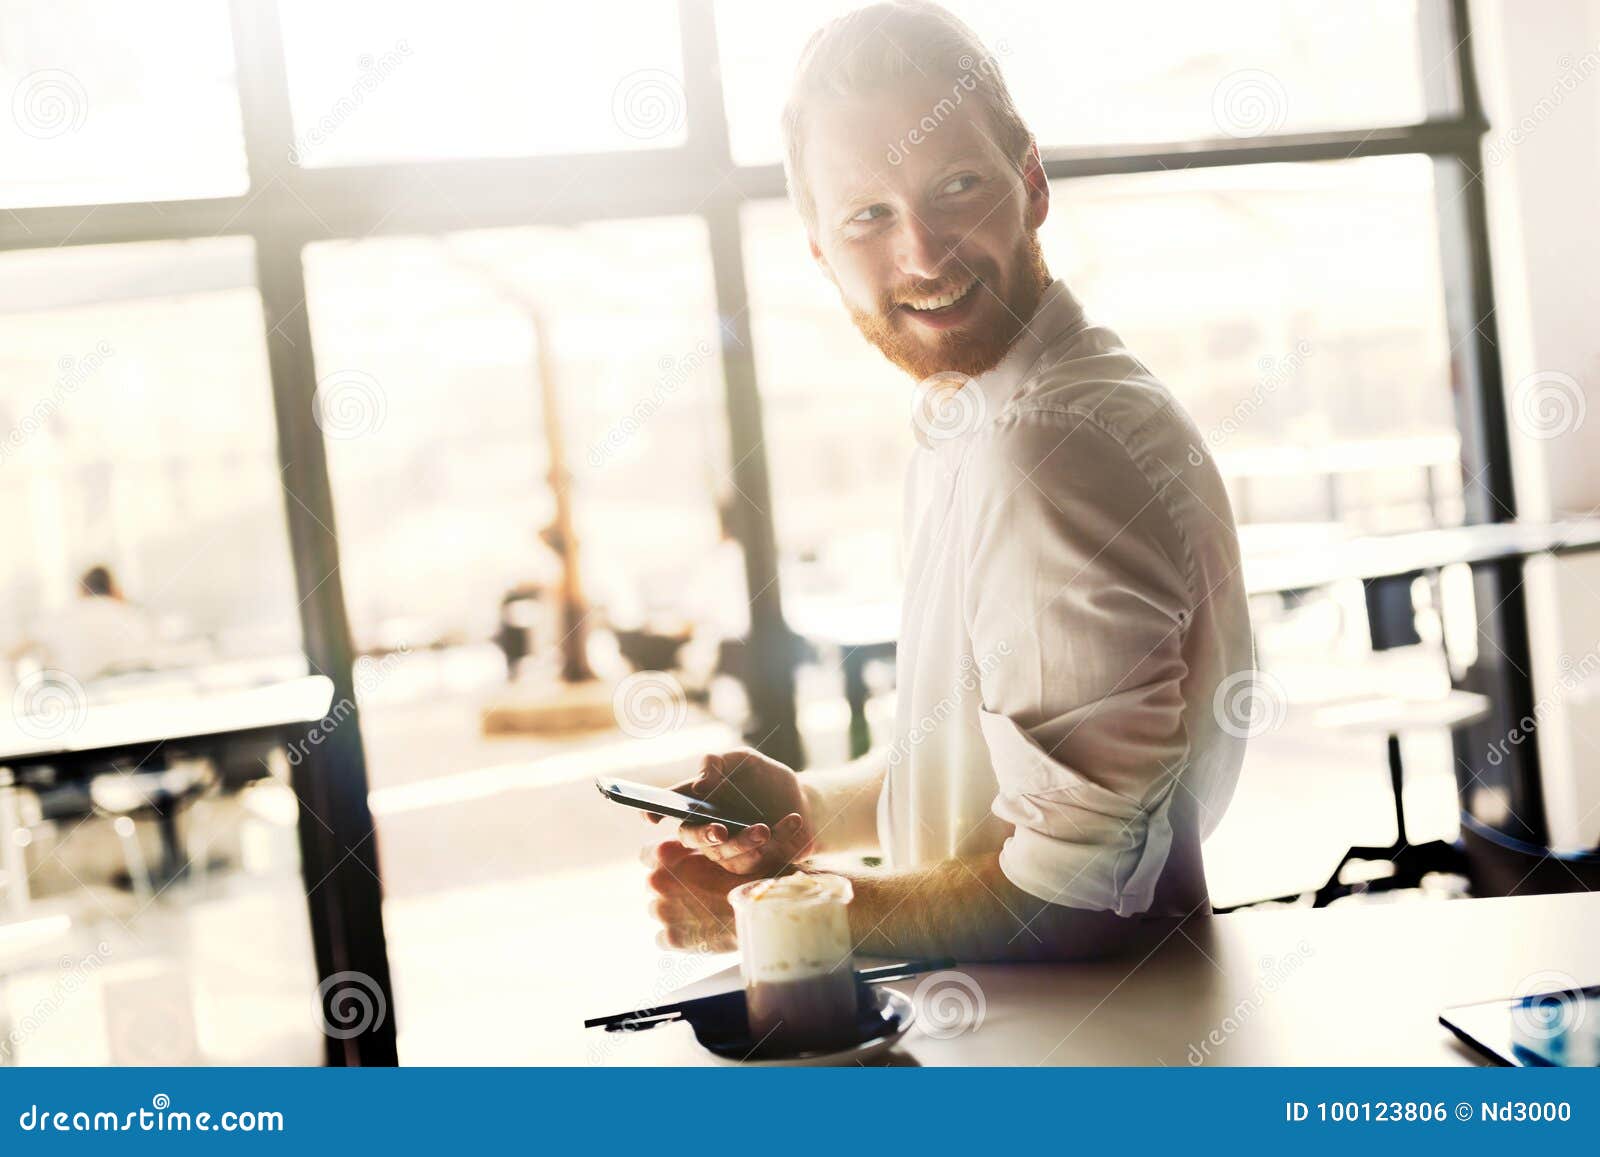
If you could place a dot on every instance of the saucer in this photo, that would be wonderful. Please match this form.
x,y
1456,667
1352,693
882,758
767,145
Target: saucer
x,y
884,1017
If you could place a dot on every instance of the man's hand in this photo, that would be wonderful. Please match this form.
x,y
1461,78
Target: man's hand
x,y
690,899
749,786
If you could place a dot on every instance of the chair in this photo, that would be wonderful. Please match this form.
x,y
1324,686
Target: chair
x,y
161,792
1393,717
13,839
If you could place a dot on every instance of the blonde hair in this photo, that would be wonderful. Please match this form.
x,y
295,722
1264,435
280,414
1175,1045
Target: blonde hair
x,y
870,47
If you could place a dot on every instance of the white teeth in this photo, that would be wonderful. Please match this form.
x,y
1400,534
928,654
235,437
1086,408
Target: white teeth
x,y
948,299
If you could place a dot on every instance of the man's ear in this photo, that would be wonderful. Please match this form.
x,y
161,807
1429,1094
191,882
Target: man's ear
x,y
816,255
1037,186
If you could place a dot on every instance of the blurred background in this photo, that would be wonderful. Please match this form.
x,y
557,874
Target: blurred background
x,y
408,411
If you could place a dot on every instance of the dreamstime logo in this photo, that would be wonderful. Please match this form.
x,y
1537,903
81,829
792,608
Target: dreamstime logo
x,y
649,704
1574,673
349,1004
75,972
74,372
374,71
1275,374
1572,75
1549,1006
1548,404
947,405
1249,103
349,404
948,1004
971,677
674,970
1273,972
49,103
49,704
674,373
648,104
971,69
368,674
1250,703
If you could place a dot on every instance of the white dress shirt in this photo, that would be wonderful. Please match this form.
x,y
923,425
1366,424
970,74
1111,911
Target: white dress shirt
x,y
1074,618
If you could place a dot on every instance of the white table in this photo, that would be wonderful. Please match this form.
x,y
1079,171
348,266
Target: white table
x,y
91,725
1310,565
1347,985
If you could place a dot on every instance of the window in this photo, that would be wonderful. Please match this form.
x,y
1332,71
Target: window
x,y
1160,70
110,102
420,81
1298,313
135,401
838,416
429,366
136,434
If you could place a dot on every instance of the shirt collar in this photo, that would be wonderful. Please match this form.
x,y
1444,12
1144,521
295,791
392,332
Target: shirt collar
x,y
959,413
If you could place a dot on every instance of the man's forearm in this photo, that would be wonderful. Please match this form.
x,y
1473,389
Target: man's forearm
x,y
843,803
968,909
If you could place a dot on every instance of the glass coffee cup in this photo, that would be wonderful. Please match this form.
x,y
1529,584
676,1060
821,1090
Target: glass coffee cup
x,y
799,976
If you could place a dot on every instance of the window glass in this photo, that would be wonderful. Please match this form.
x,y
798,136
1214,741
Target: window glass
x,y
118,102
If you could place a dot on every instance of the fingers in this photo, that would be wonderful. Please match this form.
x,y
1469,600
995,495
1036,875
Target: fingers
x,y
702,837
667,854
704,782
791,838
710,776
715,844
789,842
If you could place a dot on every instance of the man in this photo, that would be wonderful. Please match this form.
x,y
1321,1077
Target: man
x,y
1074,624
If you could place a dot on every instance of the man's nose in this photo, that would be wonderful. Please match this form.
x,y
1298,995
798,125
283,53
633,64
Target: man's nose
x,y
922,252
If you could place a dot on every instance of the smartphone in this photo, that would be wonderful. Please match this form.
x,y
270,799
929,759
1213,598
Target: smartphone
x,y
662,802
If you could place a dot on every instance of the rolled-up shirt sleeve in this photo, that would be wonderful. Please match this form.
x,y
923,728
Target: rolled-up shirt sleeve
x,y
1075,600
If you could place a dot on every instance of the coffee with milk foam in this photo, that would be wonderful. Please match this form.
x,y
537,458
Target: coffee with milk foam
x,y
794,940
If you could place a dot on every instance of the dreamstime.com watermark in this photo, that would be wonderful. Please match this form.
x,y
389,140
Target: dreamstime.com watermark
x,y
160,1117
675,970
74,372
1275,374
1573,73
648,104
972,673
75,973
674,373
649,704
1249,103
1249,703
1547,404
370,674
971,69
349,404
1574,672
948,1004
1273,974
49,704
947,405
374,70
49,103
349,1004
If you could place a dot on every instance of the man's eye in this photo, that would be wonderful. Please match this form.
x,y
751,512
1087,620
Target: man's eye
x,y
870,213
959,184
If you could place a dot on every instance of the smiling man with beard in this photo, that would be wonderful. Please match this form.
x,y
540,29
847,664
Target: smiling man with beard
x,y
1075,644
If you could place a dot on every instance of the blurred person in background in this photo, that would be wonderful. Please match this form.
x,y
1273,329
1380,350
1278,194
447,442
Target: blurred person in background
x,y
97,633
1074,633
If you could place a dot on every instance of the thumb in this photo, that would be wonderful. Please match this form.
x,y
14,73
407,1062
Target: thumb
x,y
791,836
712,772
